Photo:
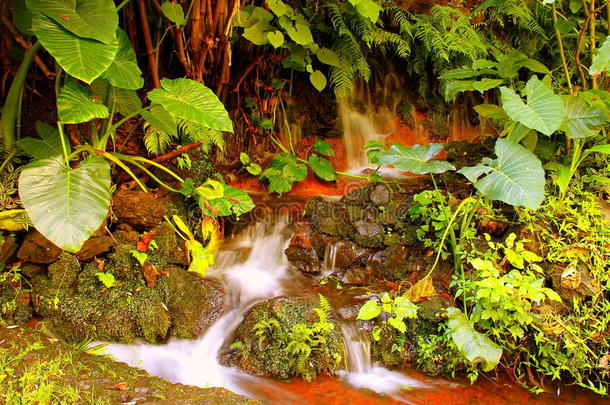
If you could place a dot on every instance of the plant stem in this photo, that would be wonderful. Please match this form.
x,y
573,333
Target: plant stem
x,y
562,51
446,214
123,4
64,147
11,104
122,165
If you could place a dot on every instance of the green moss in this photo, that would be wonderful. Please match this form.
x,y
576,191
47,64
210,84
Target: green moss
x,y
270,340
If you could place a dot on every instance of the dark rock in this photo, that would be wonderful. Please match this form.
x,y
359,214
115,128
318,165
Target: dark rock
x,y
194,303
7,249
327,217
348,254
126,235
358,276
368,234
31,270
15,301
380,194
304,259
359,196
96,246
260,342
171,248
38,249
391,263
140,210
349,313
573,282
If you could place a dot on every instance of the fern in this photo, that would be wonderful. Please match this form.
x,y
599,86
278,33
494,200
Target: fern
x,y
156,140
194,132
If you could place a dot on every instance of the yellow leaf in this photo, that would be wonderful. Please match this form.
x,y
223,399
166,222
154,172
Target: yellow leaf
x,y
420,290
182,226
13,220
211,233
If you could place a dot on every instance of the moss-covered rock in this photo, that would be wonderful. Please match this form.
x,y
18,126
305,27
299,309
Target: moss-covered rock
x,y
15,305
285,337
76,305
43,370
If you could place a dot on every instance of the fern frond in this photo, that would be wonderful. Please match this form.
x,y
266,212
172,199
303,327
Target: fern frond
x,y
195,132
156,140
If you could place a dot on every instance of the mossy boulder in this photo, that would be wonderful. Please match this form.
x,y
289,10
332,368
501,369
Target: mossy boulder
x,y
328,218
76,305
285,337
15,302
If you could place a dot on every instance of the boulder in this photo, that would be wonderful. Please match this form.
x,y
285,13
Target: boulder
x,y
269,341
380,194
358,276
327,217
38,249
8,247
304,259
368,234
139,209
96,246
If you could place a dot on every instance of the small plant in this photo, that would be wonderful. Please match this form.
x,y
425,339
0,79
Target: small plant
x,y
106,278
398,309
251,167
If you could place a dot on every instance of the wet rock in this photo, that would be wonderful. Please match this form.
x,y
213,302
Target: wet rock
x,y
38,249
15,301
368,234
171,248
327,217
304,259
265,341
96,246
391,263
356,197
349,313
358,276
140,210
194,303
348,254
380,194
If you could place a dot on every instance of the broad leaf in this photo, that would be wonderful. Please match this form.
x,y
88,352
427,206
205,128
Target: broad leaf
x,y
93,19
472,345
416,159
275,38
158,117
421,290
519,132
47,146
459,86
543,111
124,71
86,59
13,220
516,177
66,205
580,119
173,12
327,56
233,202
404,308
369,310
367,8
190,100
322,168
601,61
282,171
22,17
323,148
318,80
122,101
75,104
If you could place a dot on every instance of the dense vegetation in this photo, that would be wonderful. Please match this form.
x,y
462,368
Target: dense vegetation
x,y
188,96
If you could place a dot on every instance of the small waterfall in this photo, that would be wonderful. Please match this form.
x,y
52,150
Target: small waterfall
x,y
358,349
260,276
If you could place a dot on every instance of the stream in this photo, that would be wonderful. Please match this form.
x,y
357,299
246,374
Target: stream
x,y
252,267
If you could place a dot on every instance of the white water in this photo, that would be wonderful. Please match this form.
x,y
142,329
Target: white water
x,y
252,269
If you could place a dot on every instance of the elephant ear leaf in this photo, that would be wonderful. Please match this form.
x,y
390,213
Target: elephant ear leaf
x,y
475,347
543,110
582,120
66,205
516,177
416,159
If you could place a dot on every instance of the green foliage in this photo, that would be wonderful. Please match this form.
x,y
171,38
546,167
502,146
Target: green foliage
x,y
601,61
398,309
106,278
78,199
472,345
173,12
516,177
282,172
416,159
47,146
75,104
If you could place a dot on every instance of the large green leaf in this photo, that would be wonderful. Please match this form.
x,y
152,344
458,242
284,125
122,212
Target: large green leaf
x,y
190,100
601,61
173,12
416,159
22,17
66,205
282,171
48,145
124,71
76,104
459,86
543,111
93,19
232,202
322,168
472,345
122,101
516,177
159,118
580,119
86,59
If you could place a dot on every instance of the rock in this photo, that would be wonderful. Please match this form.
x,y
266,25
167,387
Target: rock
x,y
358,196
391,263
349,313
125,235
82,377
572,282
38,249
380,194
358,276
15,301
194,303
327,217
304,259
432,308
348,254
64,272
141,210
264,342
96,246
171,248
8,247
368,234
